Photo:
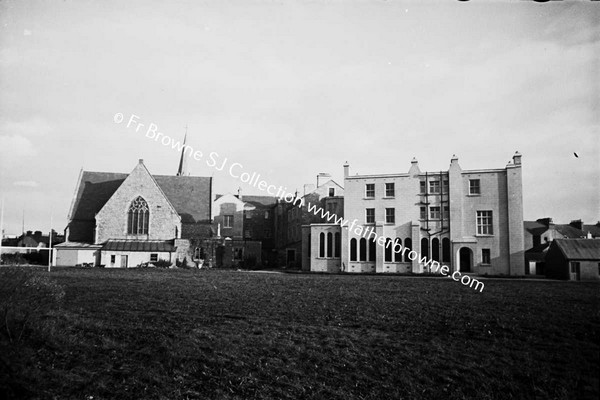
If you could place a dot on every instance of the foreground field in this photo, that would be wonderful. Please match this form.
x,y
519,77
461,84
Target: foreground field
x,y
183,334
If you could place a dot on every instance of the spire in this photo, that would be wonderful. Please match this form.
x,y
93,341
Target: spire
x,y
182,170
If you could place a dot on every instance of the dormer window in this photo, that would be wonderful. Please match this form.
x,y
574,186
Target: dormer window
x,y
138,217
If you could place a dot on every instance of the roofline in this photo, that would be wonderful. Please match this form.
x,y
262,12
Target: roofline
x,y
160,190
77,186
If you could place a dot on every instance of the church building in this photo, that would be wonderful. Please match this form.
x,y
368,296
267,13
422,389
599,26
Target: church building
x,y
127,220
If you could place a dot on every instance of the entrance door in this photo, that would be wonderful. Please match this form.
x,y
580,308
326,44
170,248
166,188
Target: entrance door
x,y
465,259
219,256
123,261
291,257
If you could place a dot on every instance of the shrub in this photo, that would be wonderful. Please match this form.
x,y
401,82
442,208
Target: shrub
x,y
162,264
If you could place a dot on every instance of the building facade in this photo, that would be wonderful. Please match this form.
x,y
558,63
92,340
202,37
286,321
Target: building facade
x,y
124,220
469,220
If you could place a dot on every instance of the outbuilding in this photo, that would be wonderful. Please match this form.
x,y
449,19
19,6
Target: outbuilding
x,y
574,259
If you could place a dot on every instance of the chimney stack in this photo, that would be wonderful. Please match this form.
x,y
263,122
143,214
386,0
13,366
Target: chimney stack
x,y
346,169
577,223
517,158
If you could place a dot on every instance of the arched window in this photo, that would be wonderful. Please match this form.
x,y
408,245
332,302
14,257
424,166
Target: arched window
x,y
138,217
338,245
424,247
322,244
408,246
329,244
446,250
388,250
353,249
372,250
398,254
362,255
435,249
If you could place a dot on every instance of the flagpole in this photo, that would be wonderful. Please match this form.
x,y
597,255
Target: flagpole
x,y
50,246
1,228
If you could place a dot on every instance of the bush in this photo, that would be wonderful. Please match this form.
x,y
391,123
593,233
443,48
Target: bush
x,y
162,264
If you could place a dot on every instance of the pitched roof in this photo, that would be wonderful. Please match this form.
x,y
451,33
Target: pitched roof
x,y
260,201
157,246
190,195
569,231
593,229
534,227
579,249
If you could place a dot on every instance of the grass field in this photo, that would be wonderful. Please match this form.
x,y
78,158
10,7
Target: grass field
x,y
189,334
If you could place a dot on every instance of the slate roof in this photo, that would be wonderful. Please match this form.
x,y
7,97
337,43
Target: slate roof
x,y
534,227
579,249
154,246
593,229
260,201
569,231
190,195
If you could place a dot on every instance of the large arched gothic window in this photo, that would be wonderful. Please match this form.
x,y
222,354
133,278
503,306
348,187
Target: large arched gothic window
x,y
138,217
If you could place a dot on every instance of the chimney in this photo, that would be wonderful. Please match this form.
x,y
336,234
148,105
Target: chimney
x,y
239,195
29,233
545,221
577,223
37,234
517,158
141,160
346,169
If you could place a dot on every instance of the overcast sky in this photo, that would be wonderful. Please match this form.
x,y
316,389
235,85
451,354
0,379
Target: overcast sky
x,y
293,88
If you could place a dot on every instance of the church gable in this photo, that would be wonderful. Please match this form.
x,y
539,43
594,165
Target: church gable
x,y
138,209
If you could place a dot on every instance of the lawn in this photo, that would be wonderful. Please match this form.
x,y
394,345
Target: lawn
x,y
208,334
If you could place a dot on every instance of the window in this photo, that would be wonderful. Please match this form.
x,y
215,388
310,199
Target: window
x,y
484,223
329,245
353,250
423,212
338,245
445,186
248,233
388,250
362,254
322,244
248,214
390,190
238,253
227,221
153,257
113,258
138,217
423,187
331,192
408,246
397,253
574,267
425,247
267,216
485,256
370,190
435,213
474,186
446,250
390,215
372,250
434,187
370,216
435,249
446,212
267,233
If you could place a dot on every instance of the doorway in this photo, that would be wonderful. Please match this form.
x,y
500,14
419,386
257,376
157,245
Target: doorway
x,y
465,256
124,261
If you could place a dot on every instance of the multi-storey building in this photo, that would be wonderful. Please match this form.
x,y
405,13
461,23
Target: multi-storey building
x,y
292,216
469,220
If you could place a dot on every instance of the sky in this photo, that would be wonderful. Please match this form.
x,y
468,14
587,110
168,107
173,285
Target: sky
x,y
290,89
